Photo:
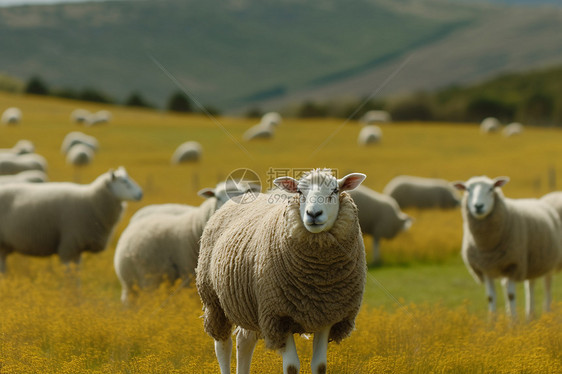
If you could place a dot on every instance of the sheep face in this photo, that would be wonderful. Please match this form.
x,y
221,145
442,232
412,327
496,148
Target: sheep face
x,y
481,194
319,196
123,187
225,191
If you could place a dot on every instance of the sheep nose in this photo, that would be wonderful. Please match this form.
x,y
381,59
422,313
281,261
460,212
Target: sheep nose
x,y
314,214
478,207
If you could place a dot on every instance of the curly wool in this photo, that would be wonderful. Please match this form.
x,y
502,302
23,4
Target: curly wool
x,y
519,239
259,268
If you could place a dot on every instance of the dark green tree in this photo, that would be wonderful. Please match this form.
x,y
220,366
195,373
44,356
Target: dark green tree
x,y
36,86
179,102
137,100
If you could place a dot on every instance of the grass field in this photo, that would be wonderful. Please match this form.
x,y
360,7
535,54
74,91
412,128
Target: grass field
x,y
422,312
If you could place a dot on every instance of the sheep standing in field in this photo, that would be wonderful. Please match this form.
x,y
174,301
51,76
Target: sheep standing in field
x,y
13,164
513,239
379,216
418,192
514,128
21,147
375,116
42,219
490,124
80,116
161,242
77,137
271,118
283,264
188,151
99,117
259,131
30,176
370,134
11,116
80,155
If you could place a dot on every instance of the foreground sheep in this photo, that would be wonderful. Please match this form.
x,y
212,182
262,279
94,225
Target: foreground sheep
x,y
21,147
379,216
80,155
188,151
13,164
11,116
418,192
30,176
283,264
369,134
259,131
513,239
77,137
375,116
490,124
162,242
62,218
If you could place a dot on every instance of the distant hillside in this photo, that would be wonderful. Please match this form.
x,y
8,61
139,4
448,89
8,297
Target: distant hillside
x,y
245,53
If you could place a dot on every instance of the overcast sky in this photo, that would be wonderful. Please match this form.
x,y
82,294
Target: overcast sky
x,y
25,2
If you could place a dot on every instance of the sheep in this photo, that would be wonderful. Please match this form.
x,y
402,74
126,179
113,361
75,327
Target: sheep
x,y
99,117
514,128
11,116
80,116
186,152
31,176
513,239
490,124
77,137
161,242
419,192
283,264
259,131
271,118
375,116
379,216
80,155
21,147
13,164
370,134
42,219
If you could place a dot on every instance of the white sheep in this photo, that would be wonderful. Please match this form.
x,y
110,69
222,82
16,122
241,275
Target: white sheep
x,y
30,176
375,116
188,151
419,192
379,216
42,219
370,134
23,146
80,116
283,264
271,118
513,239
13,164
77,137
259,131
99,117
11,116
161,242
490,124
514,128
80,155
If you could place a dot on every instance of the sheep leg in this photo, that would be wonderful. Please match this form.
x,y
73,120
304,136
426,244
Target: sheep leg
x,y
509,287
375,253
529,299
491,293
245,345
223,350
320,351
547,291
291,364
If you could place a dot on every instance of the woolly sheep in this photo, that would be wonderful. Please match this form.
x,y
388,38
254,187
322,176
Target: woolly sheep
x,y
259,131
283,264
13,164
30,176
490,124
162,243
11,116
77,137
271,118
188,151
379,216
370,134
21,147
42,219
375,116
513,239
514,128
79,155
80,116
419,192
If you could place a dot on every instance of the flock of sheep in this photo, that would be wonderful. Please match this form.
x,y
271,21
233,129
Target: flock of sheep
x,y
272,267
492,125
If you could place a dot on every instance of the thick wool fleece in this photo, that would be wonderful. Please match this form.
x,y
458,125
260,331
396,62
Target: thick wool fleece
x,y
259,268
520,239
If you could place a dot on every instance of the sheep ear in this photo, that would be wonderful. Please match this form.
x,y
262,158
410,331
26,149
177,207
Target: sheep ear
x,y
500,181
206,193
112,174
287,183
351,181
459,185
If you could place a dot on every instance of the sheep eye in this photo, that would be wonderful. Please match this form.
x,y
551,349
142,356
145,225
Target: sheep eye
x,y
335,191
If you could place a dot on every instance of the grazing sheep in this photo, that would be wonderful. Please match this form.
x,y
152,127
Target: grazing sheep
x,y
80,155
259,131
161,242
375,116
188,151
21,147
271,118
30,176
490,124
11,116
370,134
379,216
77,137
283,264
418,192
62,218
99,117
514,128
513,239
80,116
13,164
